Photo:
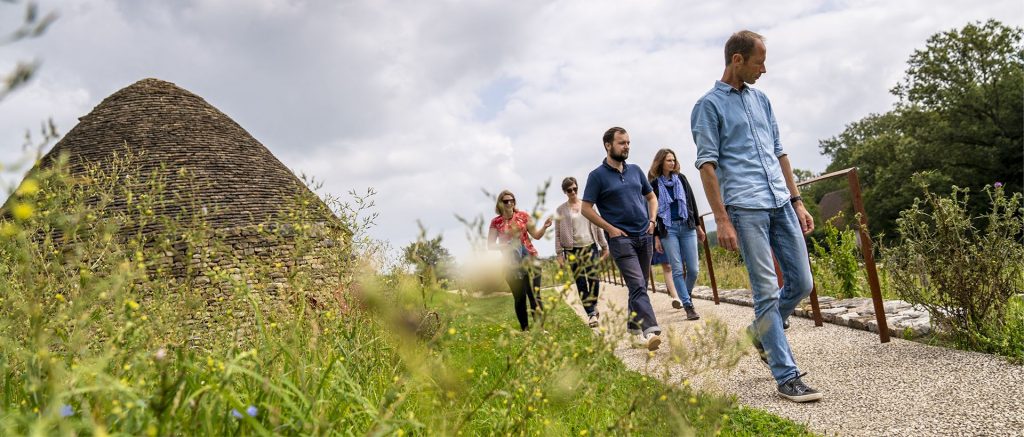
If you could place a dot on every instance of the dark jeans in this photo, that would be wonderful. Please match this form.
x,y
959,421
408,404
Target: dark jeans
x,y
633,257
583,267
520,281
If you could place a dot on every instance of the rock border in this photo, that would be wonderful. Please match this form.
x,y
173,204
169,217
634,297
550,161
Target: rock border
x,y
904,320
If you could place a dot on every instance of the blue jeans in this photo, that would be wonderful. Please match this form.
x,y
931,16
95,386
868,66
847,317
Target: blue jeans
x,y
681,247
633,257
761,232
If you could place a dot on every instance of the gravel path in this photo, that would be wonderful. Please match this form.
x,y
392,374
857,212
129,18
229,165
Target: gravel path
x,y
870,389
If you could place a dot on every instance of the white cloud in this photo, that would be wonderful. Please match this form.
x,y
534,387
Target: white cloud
x,y
390,94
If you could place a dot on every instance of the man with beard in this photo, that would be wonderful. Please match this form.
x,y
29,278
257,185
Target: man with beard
x,y
627,204
759,208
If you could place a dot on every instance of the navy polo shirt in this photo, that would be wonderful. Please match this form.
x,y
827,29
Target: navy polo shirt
x,y
619,197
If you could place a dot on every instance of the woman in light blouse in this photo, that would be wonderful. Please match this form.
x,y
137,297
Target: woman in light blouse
x,y
583,244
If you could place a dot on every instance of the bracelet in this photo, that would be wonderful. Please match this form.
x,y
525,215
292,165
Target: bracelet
x,y
796,199
653,222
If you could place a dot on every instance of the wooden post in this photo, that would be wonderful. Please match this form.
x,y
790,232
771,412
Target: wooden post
x,y
708,261
869,257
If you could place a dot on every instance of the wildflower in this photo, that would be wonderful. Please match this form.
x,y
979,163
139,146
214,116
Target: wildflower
x,y
132,304
252,411
160,354
236,414
8,230
28,188
59,297
693,400
997,184
22,211
66,411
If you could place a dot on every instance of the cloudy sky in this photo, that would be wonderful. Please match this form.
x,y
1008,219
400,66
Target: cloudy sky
x,y
428,102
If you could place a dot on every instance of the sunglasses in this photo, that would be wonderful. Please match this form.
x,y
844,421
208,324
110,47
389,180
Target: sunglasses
x,y
508,201
571,190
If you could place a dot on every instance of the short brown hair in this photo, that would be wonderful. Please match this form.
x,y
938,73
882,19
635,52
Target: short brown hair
x,y
609,134
499,203
741,42
568,182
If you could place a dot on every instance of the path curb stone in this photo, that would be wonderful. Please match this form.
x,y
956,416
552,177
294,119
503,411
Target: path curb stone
x,y
904,320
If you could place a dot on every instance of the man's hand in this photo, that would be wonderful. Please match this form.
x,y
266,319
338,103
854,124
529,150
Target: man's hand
x,y
615,232
806,221
727,235
650,228
657,245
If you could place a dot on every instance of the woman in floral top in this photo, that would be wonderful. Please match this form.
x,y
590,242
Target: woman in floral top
x,y
510,233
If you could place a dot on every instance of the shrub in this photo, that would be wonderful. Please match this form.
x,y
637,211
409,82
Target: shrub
x,y
835,263
964,269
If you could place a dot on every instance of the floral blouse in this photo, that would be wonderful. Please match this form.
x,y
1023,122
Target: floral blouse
x,y
504,227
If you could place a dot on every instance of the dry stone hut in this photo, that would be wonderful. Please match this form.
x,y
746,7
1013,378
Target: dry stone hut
x,y
213,175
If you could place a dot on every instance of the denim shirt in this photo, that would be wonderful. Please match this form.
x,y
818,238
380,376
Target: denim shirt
x,y
736,131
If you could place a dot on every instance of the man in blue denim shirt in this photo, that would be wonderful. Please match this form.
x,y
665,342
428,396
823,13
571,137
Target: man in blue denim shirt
x,y
758,208
628,206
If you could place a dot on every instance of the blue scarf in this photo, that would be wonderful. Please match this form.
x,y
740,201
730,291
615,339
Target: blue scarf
x,y
665,200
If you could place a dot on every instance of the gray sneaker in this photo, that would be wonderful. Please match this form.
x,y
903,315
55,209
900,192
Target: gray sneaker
x,y
592,320
796,391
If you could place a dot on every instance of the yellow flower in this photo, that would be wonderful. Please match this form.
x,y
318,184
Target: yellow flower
x,y
28,188
693,400
8,229
59,297
132,304
451,331
22,211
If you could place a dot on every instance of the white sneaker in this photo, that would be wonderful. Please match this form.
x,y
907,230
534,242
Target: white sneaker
x,y
592,321
650,341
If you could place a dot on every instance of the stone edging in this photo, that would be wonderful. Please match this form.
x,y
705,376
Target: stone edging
x,y
904,319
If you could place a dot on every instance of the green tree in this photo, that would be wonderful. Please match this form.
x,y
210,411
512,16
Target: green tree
x,y
959,113
431,259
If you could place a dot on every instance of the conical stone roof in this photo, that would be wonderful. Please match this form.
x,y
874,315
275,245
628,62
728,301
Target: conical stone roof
x,y
239,181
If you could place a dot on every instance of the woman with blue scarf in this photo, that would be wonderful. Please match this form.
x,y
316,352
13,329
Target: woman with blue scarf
x,y
677,232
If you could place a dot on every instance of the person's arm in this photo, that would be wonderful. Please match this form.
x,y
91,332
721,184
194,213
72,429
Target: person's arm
x,y
806,221
590,214
559,255
652,210
602,243
537,234
492,239
726,232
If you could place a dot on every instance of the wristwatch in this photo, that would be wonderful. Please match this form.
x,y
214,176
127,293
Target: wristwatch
x,y
796,199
